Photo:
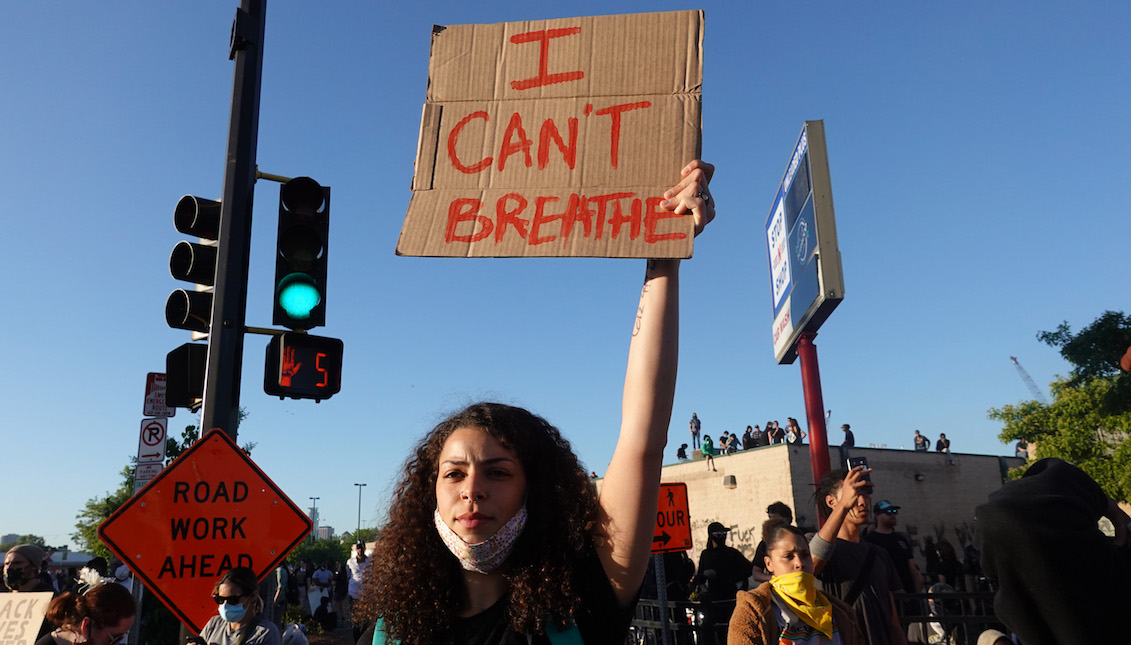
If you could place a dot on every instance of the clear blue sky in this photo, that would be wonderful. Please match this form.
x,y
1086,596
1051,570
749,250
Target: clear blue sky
x,y
980,172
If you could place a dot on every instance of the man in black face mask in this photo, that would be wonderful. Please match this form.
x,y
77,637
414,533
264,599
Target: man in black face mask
x,y
21,569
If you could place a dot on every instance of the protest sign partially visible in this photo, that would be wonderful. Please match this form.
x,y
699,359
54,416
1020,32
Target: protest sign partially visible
x,y
21,614
557,138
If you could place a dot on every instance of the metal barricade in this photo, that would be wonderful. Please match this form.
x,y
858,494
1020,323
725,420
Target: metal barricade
x,y
957,619
689,622
950,618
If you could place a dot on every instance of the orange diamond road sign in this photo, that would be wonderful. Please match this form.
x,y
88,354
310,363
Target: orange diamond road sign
x,y
673,522
211,510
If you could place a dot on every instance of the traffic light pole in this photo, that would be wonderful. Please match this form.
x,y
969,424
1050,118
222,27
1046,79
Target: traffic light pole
x,y
229,304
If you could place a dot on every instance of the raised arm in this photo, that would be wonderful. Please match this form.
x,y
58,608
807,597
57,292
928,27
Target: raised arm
x,y
631,486
846,497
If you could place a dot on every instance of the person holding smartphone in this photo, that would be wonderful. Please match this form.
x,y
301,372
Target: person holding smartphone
x,y
856,572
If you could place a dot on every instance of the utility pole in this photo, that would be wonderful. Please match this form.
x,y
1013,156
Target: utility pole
x,y
358,534
229,301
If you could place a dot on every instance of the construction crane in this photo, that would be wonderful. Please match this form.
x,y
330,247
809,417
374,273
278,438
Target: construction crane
x,y
1029,381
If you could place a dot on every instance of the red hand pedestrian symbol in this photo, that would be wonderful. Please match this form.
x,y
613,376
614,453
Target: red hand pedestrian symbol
x,y
289,367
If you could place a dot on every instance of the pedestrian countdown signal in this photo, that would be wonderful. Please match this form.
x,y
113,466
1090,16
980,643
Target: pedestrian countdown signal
x,y
301,366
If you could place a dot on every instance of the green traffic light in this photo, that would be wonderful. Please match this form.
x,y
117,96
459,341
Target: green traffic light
x,y
298,294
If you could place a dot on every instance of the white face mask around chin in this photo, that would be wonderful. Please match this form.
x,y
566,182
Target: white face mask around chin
x,y
485,556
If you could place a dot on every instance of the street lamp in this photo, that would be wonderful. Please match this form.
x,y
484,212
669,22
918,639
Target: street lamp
x,y
314,512
357,535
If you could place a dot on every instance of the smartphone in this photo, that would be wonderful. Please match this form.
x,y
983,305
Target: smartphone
x,y
853,462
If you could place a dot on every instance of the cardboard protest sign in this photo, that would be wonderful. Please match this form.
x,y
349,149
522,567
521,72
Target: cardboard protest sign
x,y
21,614
557,138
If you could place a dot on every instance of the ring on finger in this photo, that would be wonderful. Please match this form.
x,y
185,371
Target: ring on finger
x,y
704,196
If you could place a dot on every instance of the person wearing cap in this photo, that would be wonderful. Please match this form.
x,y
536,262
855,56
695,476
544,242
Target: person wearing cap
x,y
723,569
898,546
21,569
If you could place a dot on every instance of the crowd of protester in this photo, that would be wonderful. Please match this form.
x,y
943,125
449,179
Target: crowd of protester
x,y
791,433
496,536
861,580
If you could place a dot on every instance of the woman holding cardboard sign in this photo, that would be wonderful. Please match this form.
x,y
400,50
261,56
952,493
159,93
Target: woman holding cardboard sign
x,y
495,534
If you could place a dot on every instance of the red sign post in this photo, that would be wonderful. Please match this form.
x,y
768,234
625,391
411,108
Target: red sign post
x,y
211,510
673,521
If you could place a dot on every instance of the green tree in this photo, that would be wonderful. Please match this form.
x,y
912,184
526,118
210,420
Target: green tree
x,y
30,538
1096,349
1089,421
98,509
366,535
319,551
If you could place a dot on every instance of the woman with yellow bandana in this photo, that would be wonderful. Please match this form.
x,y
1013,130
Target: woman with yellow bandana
x,y
789,610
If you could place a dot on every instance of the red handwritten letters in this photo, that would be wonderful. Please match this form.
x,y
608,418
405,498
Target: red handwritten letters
x,y
466,223
556,139
544,77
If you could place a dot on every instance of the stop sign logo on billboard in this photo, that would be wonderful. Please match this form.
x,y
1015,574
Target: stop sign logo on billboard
x,y
211,510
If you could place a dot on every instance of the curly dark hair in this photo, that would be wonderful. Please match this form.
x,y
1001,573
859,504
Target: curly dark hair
x,y
415,583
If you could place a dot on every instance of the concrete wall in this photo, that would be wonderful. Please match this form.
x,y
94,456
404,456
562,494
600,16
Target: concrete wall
x,y
944,495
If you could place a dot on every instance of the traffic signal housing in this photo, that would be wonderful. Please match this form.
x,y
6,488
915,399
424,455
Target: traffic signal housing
x,y
301,254
184,375
192,310
301,366
194,262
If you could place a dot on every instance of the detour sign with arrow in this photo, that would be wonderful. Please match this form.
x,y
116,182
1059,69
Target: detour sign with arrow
x,y
673,522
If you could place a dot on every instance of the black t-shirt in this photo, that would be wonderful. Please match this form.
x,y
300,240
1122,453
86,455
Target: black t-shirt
x,y
760,556
600,618
898,547
874,604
